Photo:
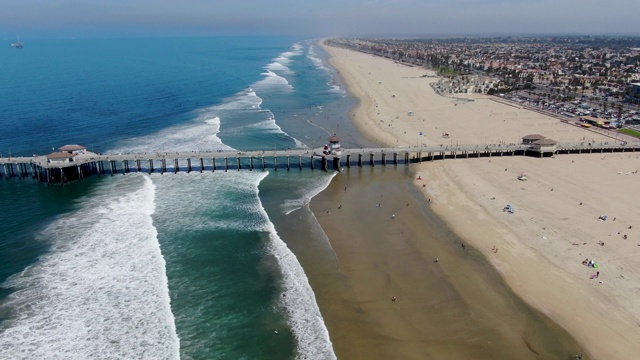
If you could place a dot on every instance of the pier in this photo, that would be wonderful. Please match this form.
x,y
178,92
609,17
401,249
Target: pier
x,y
71,167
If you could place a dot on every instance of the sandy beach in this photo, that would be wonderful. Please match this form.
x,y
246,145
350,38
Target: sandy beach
x,y
538,250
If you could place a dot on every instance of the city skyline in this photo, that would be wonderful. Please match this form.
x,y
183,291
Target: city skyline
x,y
67,18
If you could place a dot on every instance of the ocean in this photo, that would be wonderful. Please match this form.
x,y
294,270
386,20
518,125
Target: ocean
x,y
187,266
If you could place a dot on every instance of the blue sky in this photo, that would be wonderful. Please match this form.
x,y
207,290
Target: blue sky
x,y
88,18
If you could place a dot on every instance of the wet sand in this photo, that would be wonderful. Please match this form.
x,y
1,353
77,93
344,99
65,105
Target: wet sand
x,y
456,308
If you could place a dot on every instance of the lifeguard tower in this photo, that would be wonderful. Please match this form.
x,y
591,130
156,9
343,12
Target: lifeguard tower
x,y
334,145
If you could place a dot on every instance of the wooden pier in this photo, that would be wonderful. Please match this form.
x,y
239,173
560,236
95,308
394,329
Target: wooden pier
x,y
79,166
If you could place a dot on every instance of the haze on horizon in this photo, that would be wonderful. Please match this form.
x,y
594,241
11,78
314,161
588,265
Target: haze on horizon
x,y
104,18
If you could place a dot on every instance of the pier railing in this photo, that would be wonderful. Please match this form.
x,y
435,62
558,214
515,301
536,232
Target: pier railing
x,y
81,165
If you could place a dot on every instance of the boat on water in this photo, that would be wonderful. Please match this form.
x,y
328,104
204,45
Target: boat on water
x,y
18,44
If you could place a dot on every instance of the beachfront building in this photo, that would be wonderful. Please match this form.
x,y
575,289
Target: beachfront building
x,y
73,149
633,93
464,85
334,145
532,138
60,157
66,153
544,146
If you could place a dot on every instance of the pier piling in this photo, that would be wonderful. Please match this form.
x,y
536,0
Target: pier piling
x,y
43,169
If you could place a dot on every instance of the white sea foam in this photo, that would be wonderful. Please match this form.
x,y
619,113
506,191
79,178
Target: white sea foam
x,y
336,88
313,56
249,100
276,66
285,57
267,126
246,99
192,210
101,292
302,311
273,81
310,188
199,135
320,64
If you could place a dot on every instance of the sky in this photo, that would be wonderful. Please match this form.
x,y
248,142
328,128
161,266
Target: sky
x,y
313,18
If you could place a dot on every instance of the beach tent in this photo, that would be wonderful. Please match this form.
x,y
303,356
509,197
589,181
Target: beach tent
x,y
410,113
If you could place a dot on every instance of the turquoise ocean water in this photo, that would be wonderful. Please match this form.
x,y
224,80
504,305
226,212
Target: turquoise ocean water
x,y
184,266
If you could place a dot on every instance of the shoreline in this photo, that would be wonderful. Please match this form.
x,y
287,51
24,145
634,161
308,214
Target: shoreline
x,y
389,298
548,276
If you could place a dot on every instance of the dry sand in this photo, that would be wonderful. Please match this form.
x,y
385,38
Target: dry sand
x,y
540,246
